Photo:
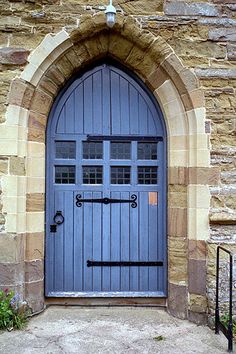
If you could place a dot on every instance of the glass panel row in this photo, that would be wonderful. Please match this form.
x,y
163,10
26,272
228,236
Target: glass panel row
x,y
94,175
94,150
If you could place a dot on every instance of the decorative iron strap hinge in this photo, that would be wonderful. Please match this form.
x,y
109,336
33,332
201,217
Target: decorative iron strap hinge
x,y
124,264
106,201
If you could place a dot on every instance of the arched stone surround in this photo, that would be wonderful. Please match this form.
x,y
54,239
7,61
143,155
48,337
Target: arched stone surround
x,y
177,90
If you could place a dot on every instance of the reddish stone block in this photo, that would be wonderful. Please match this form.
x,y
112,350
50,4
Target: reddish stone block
x,y
197,276
177,301
197,249
13,56
34,271
20,93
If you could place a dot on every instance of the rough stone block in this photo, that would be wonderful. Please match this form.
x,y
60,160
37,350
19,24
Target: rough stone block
x,y
177,301
198,318
181,8
231,51
197,276
222,34
13,56
197,303
17,166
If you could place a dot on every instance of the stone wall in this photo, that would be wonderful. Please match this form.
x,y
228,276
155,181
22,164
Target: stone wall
x,y
203,35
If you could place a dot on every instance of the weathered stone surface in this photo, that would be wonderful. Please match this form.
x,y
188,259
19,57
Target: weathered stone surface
x,y
35,202
13,56
231,51
223,217
177,222
177,196
11,248
3,166
34,293
34,271
177,254
216,73
34,248
181,8
41,102
20,93
11,273
197,276
177,300
197,303
197,249
178,175
17,166
222,34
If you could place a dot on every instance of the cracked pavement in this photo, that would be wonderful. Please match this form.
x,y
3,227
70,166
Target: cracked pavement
x,y
104,330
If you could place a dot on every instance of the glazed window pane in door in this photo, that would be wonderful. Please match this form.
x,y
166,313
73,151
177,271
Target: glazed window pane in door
x,y
106,173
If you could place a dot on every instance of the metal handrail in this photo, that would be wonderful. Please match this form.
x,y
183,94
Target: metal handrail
x,y
228,332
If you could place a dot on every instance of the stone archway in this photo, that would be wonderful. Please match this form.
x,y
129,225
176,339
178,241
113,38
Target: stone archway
x,y
177,90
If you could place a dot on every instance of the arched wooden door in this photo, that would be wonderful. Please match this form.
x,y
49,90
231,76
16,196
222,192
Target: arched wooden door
x,y
106,189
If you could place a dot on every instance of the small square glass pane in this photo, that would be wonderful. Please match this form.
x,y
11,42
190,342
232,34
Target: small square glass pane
x,y
92,174
120,151
65,149
92,150
147,175
65,174
147,151
120,175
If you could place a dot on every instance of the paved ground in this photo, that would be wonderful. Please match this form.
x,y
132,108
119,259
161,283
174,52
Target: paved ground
x,y
110,330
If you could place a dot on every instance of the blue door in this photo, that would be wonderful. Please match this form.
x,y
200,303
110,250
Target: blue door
x,y
106,189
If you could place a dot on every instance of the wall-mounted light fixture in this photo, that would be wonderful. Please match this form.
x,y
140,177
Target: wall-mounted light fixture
x,y
110,15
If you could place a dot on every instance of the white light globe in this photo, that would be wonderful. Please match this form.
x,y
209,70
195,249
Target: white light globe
x,y
110,15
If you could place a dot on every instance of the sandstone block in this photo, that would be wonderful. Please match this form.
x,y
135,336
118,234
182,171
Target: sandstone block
x,y
11,248
17,166
13,56
197,276
3,166
11,273
177,222
177,300
197,249
35,202
34,270
34,248
41,102
181,8
178,175
216,73
34,293
20,93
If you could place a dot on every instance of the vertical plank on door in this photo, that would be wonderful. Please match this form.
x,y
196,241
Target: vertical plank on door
x,y
115,241
78,246
59,245
152,234
106,249
125,241
68,241
134,247
144,238
97,241
88,241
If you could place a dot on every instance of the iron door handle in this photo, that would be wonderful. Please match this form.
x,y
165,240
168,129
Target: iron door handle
x,y
58,218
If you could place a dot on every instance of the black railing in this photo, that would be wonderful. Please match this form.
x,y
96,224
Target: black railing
x,y
219,326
